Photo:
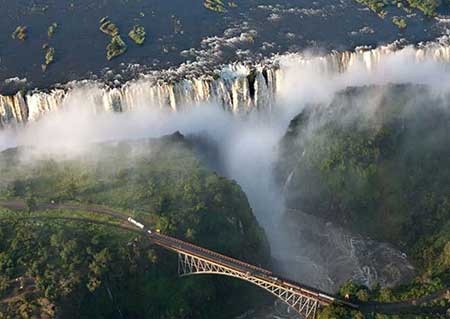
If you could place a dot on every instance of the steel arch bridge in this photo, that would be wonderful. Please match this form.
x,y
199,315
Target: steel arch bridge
x,y
301,302
196,260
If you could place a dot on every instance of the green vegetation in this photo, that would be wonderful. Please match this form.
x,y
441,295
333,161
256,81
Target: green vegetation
x,y
381,171
218,5
49,56
137,34
399,22
427,7
374,5
215,5
431,296
109,28
93,271
20,33
335,312
51,29
115,48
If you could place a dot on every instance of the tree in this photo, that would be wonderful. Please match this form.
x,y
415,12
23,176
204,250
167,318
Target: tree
x,y
31,203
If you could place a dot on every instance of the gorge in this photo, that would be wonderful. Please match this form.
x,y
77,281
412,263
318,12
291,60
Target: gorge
x,y
258,120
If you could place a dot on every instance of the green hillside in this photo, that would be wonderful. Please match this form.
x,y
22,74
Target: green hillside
x,y
69,269
376,161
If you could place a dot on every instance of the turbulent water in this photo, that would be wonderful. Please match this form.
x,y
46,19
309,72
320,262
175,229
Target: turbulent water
x,y
237,88
245,110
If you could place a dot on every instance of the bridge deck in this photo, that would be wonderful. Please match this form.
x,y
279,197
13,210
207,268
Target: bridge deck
x,y
212,257
237,265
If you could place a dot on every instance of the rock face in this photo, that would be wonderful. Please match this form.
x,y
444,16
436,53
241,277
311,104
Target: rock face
x,y
335,255
370,161
238,88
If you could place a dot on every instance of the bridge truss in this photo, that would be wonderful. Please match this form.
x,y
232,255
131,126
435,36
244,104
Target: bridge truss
x,y
301,302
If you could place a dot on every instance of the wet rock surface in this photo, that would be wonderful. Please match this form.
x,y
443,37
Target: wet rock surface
x,y
335,255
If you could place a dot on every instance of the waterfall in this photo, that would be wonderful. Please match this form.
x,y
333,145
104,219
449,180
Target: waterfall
x,y
239,88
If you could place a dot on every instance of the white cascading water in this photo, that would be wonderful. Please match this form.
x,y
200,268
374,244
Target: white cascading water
x,y
248,142
238,88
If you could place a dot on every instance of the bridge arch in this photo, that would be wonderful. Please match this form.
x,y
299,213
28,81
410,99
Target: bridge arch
x,y
300,301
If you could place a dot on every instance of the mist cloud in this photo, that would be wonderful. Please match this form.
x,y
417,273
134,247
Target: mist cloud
x,y
248,143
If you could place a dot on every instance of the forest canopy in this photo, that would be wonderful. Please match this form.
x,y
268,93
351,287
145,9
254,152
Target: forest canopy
x,y
68,269
378,164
